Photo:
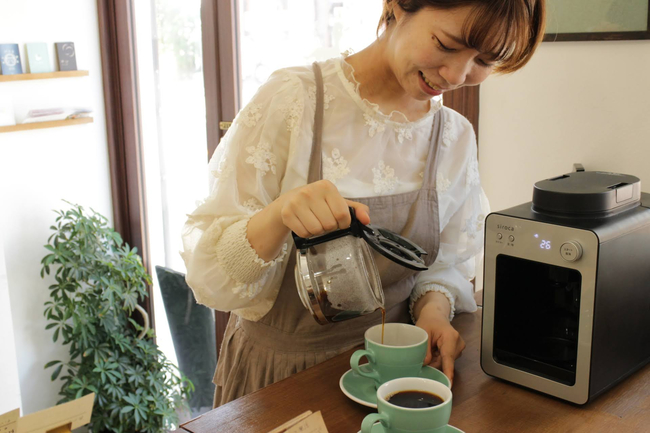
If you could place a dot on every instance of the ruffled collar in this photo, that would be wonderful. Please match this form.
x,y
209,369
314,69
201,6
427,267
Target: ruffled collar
x,y
395,118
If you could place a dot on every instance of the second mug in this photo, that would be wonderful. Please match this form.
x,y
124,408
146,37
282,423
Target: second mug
x,y
400,355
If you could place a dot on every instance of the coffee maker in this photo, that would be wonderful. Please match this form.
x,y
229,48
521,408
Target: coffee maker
x,y
566,300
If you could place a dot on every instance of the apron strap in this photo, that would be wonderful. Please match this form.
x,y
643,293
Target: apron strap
x,y
431,166
315,161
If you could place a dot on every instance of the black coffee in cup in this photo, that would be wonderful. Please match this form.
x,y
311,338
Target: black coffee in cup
x,y
414,399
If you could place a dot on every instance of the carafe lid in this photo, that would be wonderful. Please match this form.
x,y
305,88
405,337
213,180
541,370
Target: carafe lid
x,y
587,193
387,243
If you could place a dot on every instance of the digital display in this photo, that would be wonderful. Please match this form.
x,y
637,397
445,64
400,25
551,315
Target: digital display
x,y
545,245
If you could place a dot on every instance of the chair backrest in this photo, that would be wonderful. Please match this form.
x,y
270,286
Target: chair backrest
x,y
220,317
193,334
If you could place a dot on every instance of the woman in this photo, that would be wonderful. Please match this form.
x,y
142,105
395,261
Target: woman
x,y
386,144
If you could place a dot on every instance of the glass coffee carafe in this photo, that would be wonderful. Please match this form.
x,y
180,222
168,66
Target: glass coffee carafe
x,y
336,275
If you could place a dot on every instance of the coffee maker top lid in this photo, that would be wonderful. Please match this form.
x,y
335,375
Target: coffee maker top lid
x,y
587,193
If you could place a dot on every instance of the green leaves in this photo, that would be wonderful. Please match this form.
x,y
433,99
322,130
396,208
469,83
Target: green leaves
x,y
56,372
96,280
136,405
51,363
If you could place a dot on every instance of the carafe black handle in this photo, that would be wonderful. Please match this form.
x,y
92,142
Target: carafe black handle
x,y
355,229
387,243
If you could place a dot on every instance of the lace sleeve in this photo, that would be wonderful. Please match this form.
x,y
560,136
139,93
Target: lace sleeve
x,y
246,171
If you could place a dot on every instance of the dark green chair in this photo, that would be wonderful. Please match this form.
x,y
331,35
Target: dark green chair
x,y
193,334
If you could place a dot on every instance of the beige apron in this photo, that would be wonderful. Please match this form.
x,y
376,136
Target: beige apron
x,y
288,339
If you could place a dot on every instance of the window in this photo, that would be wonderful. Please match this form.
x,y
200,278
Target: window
x,y
276,34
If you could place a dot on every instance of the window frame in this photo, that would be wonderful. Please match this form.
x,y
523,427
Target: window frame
x,y
123,129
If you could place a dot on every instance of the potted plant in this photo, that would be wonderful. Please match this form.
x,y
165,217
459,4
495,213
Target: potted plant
x,y
99,281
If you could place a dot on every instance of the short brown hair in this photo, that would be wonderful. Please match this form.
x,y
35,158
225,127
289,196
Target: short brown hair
x,y
511,29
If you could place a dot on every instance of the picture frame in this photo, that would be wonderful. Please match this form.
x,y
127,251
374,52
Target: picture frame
x,y
597,20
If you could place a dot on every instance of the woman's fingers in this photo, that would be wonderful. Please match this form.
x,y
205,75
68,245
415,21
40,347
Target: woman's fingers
x,y
448,366
450,350
319,208
325,216
436,361
339,208
290,220
361,211
310,221
443,350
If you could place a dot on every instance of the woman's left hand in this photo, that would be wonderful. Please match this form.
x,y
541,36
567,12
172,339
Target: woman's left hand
x,y
445,343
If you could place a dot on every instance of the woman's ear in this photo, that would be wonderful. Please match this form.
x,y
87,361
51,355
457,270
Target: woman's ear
x,y
398,12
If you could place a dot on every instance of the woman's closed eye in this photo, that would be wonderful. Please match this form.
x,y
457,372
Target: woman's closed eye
x,y
484,63
443,47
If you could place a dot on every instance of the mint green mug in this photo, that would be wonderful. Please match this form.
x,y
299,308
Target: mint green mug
x,y
398,419
401,355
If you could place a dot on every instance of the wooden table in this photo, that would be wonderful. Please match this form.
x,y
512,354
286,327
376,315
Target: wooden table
x,y
481,403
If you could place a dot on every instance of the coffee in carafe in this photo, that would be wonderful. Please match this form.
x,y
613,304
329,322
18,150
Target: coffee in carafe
x,y
336,275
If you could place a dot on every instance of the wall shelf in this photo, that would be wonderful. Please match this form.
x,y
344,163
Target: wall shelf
x,y
41,125
43,76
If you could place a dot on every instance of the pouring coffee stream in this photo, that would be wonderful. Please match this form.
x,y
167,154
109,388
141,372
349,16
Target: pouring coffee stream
x,y
336,275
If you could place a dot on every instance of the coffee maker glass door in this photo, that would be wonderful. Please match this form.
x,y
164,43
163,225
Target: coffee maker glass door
x,y
536,318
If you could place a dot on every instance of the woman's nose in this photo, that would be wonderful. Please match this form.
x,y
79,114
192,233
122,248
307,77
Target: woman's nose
x,y
455,72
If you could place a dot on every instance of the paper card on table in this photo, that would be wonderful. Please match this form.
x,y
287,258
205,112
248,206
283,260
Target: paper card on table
x,y
8,421
283,428
314,423
76,412
38,58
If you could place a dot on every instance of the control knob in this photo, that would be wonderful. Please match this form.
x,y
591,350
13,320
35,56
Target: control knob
x,y
571,251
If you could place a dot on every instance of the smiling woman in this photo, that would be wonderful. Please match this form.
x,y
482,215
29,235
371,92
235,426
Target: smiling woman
x,y
368,131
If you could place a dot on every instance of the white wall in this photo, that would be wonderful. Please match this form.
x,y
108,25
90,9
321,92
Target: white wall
x,y
39,168
10,395
586,102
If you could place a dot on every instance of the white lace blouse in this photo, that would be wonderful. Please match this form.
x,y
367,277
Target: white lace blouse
x,y
266,153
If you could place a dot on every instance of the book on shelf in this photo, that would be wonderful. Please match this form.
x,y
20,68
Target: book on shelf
x,y
58,113
38,58
65,52
10,59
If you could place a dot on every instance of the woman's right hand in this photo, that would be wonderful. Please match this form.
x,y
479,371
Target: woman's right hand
x,y
308,211
318,208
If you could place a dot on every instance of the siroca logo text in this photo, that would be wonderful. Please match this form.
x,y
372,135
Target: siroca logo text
x,y
504,227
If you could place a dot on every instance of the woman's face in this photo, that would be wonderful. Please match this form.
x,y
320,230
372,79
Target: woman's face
x,y
429,56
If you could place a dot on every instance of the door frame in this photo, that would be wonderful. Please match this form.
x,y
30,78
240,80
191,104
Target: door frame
x,y
221,67
123,129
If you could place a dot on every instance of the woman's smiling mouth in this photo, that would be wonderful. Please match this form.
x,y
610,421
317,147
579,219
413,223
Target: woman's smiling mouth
x,y
429,87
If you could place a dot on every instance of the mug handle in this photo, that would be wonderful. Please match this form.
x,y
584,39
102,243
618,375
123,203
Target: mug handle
x,y
354,364
370,420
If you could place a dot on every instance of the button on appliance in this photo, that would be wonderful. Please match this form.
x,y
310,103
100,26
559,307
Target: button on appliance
x,y
571,251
